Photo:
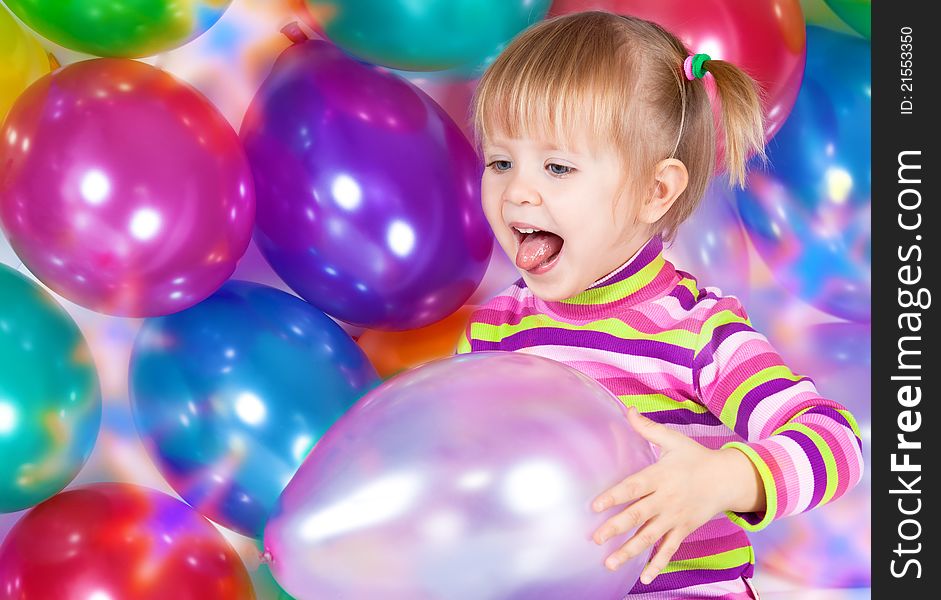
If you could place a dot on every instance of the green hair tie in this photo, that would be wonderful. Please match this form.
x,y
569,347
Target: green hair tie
x,y
693,66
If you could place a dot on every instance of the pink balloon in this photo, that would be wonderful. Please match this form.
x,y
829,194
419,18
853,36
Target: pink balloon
x,y
466,478
765,38
123,189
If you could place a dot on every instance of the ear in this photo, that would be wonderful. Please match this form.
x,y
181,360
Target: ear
x,y
670,180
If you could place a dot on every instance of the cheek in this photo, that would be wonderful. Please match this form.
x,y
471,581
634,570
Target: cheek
x,y
492,207
624,218
583,223
490,202
595,231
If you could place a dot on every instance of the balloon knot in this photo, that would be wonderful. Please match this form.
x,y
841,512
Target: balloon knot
x,y
293,32
266,558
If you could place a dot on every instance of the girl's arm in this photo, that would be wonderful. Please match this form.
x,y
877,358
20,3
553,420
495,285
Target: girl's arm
x,y
805,448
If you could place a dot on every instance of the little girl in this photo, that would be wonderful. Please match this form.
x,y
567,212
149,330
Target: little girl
x,y
598,137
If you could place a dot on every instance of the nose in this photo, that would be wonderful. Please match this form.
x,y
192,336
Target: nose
x,y
520,190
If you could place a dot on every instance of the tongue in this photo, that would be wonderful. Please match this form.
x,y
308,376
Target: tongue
x,y
537,248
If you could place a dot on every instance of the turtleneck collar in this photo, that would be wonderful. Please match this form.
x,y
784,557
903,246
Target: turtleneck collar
x,y
644,276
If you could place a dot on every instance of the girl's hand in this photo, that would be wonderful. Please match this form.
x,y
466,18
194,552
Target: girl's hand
x,y
684,489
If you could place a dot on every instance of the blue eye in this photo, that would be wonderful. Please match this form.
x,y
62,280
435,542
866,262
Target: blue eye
x,y
562,169
498,165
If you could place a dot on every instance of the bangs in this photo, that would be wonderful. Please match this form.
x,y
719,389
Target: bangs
x,y
540,89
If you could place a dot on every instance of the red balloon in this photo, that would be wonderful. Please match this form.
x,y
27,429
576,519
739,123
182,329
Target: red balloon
x,y
124,189
765,38
117,541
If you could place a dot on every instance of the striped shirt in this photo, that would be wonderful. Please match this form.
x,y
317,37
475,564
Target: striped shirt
x,y
688,357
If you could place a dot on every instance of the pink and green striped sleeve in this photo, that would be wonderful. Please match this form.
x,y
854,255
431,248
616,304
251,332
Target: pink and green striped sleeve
x,y
806,448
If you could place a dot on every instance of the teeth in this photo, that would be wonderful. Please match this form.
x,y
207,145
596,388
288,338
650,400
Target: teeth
x,y
526,230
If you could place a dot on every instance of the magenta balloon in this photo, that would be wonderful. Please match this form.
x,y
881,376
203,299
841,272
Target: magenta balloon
x,y
711,244
368,193
466,478
123,189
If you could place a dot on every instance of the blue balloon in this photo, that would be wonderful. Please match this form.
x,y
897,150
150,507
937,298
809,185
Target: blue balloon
x,y
231,394
809,214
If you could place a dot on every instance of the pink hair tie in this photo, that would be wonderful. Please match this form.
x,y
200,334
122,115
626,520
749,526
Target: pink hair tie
x,y
688,67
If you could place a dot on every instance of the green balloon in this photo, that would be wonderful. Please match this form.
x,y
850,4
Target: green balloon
x,y
266,586
50,403
425,36
856,13
816,12
122,28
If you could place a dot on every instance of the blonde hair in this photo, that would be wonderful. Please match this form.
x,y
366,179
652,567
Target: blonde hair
x,y
619,80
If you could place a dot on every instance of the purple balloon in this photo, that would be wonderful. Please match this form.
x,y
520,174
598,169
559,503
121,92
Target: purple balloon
x,y
711,244
466,478
368,193
123,189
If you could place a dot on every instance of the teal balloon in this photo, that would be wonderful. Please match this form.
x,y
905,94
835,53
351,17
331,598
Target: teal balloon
x,y
50,400
231,394
425,36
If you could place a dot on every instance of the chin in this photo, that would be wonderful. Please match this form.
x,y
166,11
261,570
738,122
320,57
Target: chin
x,y
547,292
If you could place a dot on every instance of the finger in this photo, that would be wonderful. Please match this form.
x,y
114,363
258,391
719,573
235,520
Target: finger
x,y
654,432
633,516
644,538
665,551
634,487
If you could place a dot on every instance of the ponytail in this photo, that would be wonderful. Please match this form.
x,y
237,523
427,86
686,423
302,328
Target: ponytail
x,y
741,116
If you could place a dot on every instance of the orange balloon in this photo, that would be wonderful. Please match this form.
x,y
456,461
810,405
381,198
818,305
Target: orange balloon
x,y
392,352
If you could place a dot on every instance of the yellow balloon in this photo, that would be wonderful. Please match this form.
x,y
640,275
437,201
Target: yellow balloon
x,y
22,61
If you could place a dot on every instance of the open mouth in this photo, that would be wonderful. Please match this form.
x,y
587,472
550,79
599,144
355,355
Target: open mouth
x,y
538,250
